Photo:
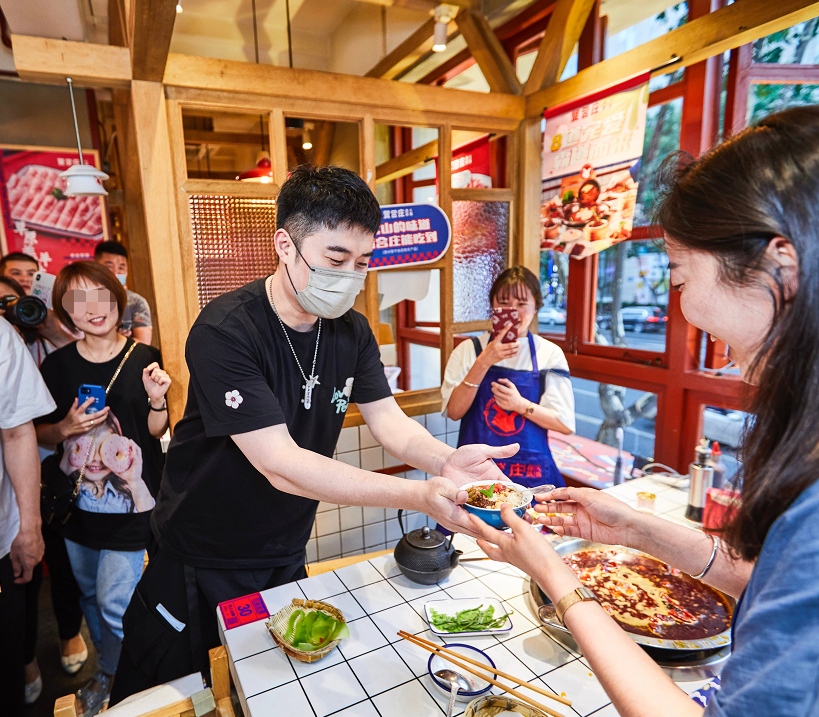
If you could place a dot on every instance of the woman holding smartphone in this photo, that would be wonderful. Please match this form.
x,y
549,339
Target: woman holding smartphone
x,y
512,392
114,453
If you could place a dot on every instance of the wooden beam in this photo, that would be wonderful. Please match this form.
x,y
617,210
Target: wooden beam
x,y
296,83
406,163
201,136
151,37
253,190
713,34
488,52
117,24
405,54
43,60
154,161
278,146
566,23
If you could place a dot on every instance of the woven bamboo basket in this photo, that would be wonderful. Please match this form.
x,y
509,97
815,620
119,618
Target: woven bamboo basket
x,y
277,624
492,705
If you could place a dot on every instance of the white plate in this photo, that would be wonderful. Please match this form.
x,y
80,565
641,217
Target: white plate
x,y
454,606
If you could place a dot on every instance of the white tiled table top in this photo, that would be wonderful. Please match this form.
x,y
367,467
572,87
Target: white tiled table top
x,y
375,673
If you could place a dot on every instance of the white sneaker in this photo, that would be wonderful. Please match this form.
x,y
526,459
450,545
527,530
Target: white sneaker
x,y
34,690
72,664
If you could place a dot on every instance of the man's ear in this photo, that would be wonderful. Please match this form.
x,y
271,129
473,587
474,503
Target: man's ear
x,y
284,246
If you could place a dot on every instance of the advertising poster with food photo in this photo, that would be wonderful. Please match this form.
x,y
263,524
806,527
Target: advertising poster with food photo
x,y
591,162
37,218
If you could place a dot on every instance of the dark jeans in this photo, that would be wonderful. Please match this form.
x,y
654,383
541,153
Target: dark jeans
x,y
65,593
153,652
12,637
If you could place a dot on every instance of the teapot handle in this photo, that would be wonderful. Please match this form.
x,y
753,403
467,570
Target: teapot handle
x,y
401,522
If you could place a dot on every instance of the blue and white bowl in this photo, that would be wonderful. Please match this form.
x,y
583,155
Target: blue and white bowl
x,y
439,662
492,516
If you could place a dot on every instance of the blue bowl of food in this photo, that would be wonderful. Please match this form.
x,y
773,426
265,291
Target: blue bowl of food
x,y
487,497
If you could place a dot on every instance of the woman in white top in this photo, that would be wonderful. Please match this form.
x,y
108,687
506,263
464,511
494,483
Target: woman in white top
x,y
514,392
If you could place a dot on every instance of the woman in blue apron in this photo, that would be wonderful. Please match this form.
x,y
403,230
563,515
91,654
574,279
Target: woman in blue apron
x,y
514,392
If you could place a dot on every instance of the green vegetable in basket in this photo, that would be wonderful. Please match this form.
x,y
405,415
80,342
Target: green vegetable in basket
x,y
472,620
309,631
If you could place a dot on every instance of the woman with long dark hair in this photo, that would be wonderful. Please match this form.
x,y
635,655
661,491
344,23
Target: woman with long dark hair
x,y
742,234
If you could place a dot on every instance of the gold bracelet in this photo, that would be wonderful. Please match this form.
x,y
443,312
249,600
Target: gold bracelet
x,y
471,385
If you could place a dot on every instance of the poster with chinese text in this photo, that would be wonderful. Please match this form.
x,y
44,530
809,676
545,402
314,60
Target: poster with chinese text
x,y
37,218
591,162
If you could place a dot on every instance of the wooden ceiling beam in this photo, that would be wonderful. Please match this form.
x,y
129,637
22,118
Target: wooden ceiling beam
x,y
406,163
565,26
199,136
41,59
404,54
488,52
153,22
738,24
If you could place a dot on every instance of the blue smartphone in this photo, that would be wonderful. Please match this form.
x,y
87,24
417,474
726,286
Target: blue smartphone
x,y
89,391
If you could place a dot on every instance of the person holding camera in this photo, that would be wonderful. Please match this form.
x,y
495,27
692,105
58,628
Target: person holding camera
x,y
25,397
112,454
516,391
42,333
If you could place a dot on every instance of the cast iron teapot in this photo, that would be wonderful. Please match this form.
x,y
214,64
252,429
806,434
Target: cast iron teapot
x,y
424,555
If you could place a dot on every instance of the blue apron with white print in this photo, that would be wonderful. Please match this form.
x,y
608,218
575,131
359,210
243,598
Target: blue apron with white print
x,y
486,422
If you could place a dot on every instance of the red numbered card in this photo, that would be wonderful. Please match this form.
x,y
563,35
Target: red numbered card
x,y
242,610
502,316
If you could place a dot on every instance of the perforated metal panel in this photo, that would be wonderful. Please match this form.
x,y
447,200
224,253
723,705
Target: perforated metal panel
x,y
480,253
232,242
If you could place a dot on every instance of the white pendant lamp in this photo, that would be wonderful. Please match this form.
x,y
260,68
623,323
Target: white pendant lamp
x,y
82,180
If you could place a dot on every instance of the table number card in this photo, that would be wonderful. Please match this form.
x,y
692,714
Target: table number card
x,y
242,610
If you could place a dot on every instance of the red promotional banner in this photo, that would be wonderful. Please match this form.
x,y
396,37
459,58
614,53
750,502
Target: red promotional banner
x,y
470,165
37,218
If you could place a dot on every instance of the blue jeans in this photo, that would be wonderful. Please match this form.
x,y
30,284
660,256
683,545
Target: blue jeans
x,y
107,579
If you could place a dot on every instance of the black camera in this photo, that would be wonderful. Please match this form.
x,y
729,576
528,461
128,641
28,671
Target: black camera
x,y
26,312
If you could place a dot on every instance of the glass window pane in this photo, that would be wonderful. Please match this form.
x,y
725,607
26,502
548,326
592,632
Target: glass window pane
x,y
798,45
631,25
662,138
726,427
554,283
425,194
600,408
480,253
669,78
425,367
632,296
766,99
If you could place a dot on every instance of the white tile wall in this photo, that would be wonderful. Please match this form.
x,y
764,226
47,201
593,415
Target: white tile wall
x,y
341,531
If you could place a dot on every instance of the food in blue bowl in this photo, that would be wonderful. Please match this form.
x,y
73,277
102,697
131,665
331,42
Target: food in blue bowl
x,y
486,499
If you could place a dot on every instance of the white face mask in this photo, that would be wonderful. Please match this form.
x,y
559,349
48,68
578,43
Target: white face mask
x,y
329,293
122,278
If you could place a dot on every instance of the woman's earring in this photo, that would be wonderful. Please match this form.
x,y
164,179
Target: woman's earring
x,y
713,338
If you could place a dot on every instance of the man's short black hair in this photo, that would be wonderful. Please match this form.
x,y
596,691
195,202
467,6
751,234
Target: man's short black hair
x,y
316,198
16,256
110,247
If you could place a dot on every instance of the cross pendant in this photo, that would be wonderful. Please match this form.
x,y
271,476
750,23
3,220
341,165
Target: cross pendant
x,y
308,391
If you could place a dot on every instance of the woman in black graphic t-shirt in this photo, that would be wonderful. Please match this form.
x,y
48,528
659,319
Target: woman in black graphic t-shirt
x,y
108,527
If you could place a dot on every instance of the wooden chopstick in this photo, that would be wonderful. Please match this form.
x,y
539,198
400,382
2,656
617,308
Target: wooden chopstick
x,y
495,671
435,649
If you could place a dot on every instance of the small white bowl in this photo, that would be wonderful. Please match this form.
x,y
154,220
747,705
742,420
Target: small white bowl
x,y
439,662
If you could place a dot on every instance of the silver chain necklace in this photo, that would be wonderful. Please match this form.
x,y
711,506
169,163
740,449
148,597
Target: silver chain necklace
x,y
309,383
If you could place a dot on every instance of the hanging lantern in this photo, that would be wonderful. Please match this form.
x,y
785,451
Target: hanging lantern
x,y
262,172
82,180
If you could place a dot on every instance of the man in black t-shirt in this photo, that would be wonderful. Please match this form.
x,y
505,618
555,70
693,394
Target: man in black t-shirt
x,y
273,367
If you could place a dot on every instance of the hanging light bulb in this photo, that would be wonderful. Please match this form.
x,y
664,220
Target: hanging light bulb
x,y
82,180
306,144
179,7
262,173
444,14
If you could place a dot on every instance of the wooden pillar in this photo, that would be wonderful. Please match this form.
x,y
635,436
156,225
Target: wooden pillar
x,y
528,150
447,280
139,266
160,217
278,147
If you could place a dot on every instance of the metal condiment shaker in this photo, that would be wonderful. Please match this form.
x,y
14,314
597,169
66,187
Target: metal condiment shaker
x,y
701,475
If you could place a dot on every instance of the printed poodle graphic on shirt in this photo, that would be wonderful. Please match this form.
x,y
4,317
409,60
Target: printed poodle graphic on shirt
x,y
113,481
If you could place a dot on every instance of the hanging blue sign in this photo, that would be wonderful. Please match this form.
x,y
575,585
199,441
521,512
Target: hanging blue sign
x,y
410,234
